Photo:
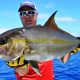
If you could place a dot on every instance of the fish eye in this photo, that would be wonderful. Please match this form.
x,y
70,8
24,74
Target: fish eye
x,y
3,41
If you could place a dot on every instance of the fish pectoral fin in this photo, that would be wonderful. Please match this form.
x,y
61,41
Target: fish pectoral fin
x,y
34,65
65,58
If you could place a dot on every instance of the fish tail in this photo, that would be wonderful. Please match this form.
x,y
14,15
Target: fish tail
x,y
65,58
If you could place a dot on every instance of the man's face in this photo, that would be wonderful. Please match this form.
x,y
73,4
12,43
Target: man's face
x,y
28,17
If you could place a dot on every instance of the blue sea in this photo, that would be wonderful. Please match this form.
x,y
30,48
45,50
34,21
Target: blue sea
x,y
69,70
6,72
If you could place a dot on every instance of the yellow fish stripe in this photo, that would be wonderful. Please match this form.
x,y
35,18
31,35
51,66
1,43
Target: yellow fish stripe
x,y
75,50
17,62
53,40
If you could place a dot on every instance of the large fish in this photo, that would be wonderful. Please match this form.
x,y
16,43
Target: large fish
x,y
38,43
45,41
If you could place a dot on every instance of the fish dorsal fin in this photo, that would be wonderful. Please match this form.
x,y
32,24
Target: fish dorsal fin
x,y
51,22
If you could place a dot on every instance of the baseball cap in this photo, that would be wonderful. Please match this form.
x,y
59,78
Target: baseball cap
x,y
25,5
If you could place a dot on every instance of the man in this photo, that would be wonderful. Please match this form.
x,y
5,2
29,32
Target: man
x,y
28,15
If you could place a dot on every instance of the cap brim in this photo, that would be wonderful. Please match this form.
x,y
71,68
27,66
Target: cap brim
x,y
26,7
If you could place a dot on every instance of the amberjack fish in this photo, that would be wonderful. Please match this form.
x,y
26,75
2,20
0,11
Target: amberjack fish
x,y
37,43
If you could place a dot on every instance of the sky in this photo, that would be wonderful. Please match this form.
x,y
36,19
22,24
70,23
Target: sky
x,y
67,17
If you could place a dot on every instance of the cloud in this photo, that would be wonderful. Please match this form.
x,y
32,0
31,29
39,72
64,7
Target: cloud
x,y
75,34
45,16
3,30
66,19
49,5
8,13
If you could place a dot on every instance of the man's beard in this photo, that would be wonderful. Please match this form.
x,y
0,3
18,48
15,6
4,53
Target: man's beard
x,y
30,25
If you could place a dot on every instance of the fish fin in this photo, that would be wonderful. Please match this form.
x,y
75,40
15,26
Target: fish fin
x,y
65,58
34,65
51,22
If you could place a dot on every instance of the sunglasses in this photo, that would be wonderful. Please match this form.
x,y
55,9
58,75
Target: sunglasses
x,y
26,13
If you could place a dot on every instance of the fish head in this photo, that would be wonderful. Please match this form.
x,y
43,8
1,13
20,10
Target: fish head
x,y
12,48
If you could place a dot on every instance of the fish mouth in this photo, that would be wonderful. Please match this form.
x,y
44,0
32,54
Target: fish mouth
x,y
10,58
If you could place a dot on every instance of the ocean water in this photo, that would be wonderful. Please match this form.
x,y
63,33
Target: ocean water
x,y
69,70
6,72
